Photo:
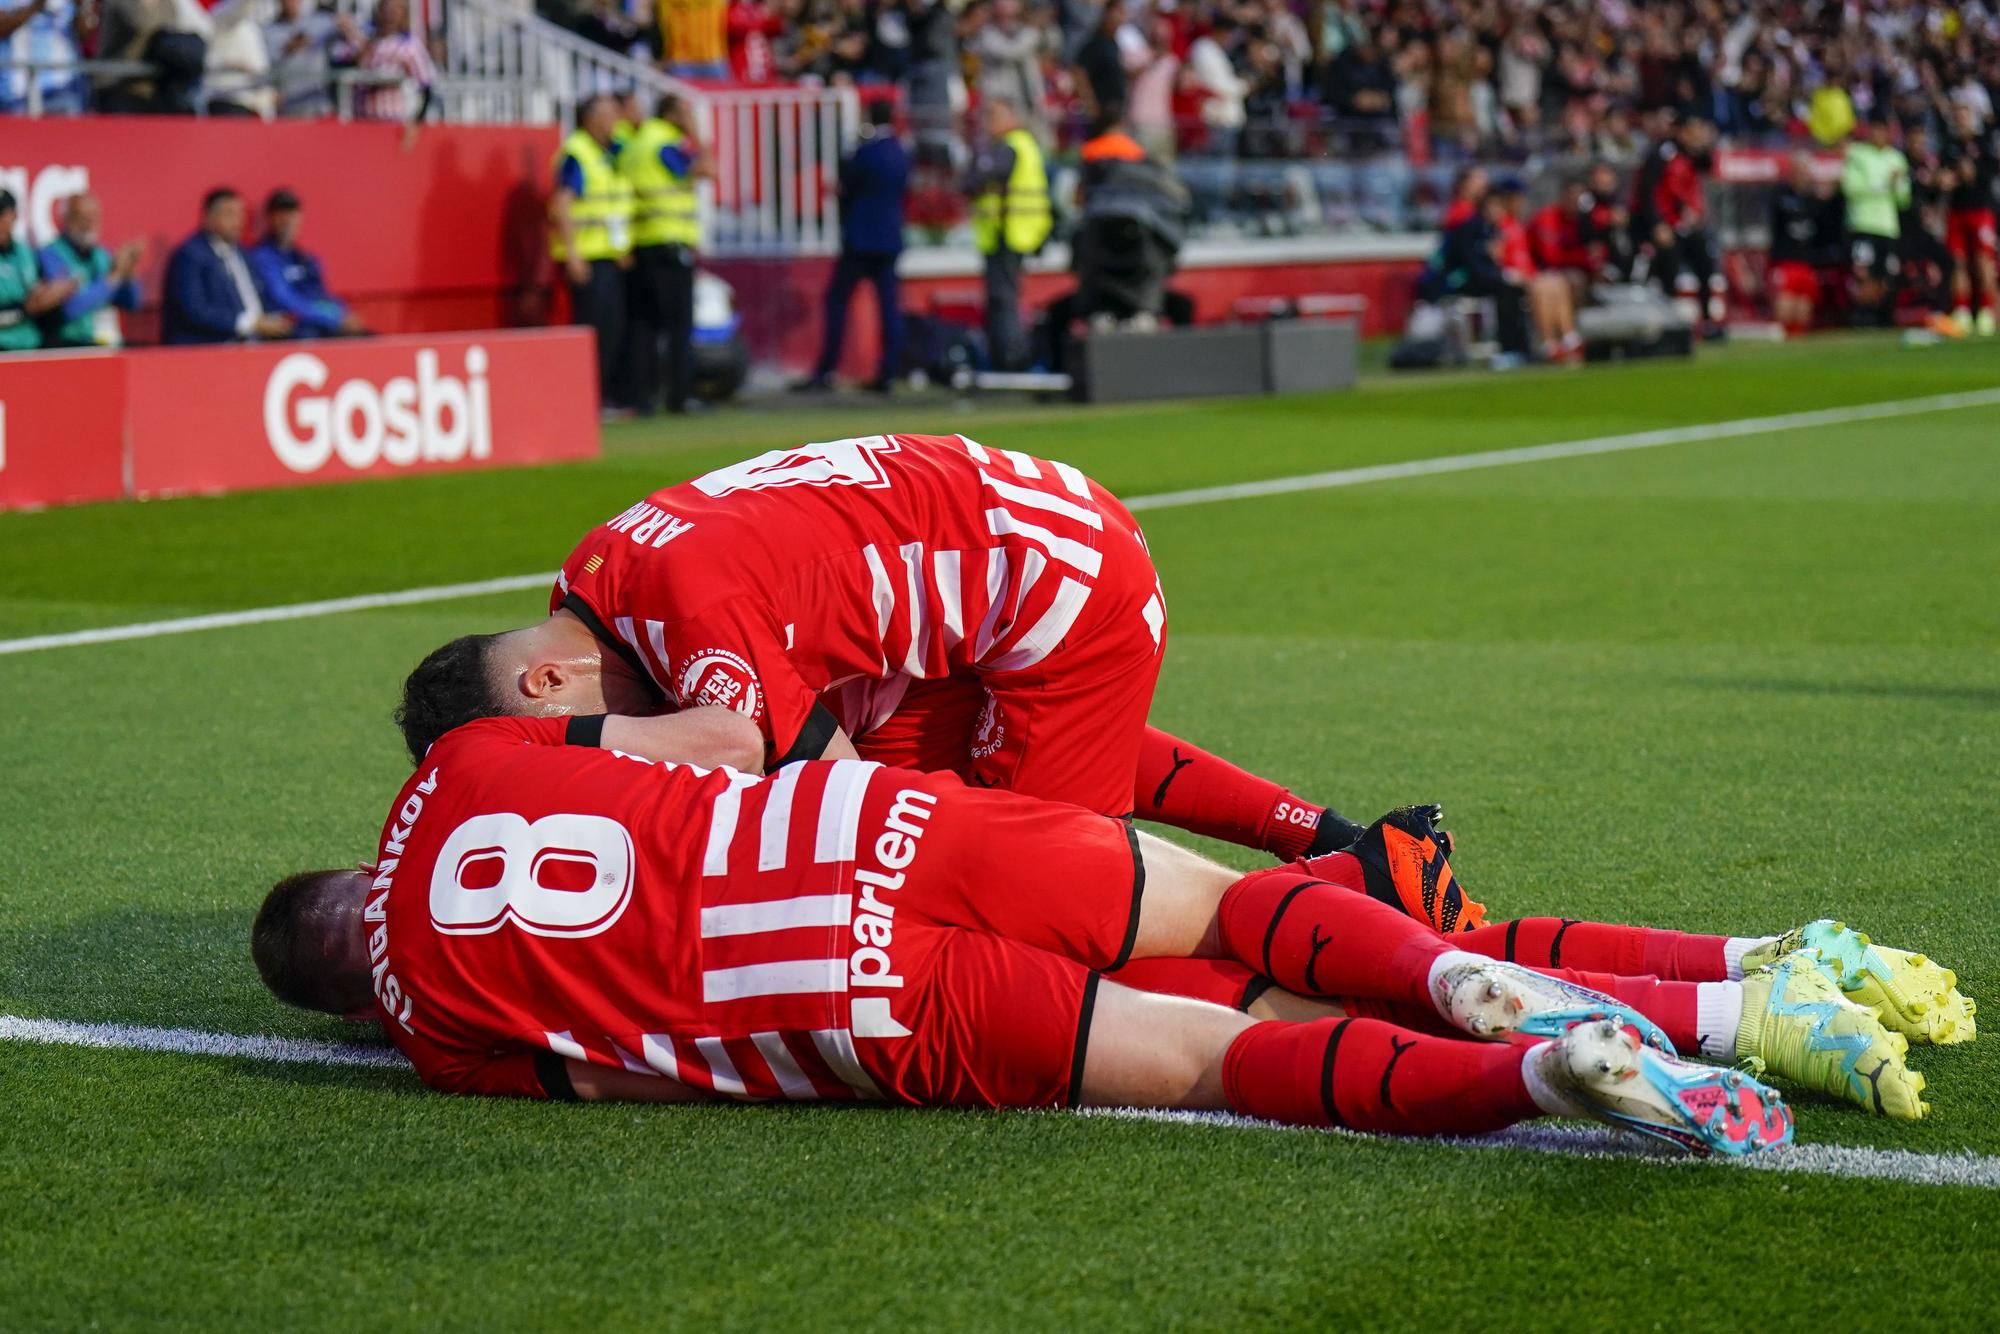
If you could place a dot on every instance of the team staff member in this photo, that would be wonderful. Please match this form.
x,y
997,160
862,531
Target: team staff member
x,y
874,186
660,164
292,277
590,235
211,294
24,297
1974,163
106,280
1010,221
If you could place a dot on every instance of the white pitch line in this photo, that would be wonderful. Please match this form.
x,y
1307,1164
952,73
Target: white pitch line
x,y
1829,1160
194,1042
1832,1160
296,611
1569,449
1206,495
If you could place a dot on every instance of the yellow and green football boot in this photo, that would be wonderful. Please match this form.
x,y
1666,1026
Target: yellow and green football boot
x,y
1798,1026
1914,995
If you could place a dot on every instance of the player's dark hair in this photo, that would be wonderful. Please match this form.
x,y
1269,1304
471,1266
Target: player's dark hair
x,y
288,941
448,689
216,196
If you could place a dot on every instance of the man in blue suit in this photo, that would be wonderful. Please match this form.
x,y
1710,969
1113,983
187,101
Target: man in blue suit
x,y
290,278
211,295
874,183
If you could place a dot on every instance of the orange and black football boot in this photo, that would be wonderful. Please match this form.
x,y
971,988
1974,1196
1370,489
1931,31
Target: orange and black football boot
x,y
1404,862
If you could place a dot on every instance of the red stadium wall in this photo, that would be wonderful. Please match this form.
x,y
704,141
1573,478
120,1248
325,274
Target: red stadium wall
x,y
445,234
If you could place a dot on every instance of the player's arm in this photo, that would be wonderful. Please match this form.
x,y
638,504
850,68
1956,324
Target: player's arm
x,y
589,1082
708,736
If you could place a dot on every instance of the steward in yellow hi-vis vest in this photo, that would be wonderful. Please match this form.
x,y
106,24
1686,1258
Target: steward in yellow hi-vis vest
x,y
1011,220
665,208
590,236
1013,213
663,165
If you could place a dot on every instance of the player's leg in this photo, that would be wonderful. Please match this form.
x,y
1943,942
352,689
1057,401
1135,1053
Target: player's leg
x,y
1183,785
1145,1050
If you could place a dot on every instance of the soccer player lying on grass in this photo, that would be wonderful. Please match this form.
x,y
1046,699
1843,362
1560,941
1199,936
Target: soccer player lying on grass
x,y
552,915
924,601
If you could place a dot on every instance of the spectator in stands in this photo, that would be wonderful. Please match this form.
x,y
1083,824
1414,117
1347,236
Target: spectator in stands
x,y
1009,50
1875,178
1923,251
1670,220
590,237
396,54
935,87
1009,185
1100,64
1808,243
874,188
25,298
154,32
291,279
236,71
1360,86
751,25
105,281
48,35
1212,75
663,165
300,42
211,295
694,38
1153,70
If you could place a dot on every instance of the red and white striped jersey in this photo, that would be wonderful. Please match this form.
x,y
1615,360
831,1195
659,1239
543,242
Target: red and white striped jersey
x,y
841,572
532,897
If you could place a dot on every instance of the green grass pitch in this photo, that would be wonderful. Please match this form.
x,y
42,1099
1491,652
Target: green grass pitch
x,y
1724,686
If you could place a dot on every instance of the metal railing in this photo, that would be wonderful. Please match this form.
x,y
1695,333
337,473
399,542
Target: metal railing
x,y
777,161
513,67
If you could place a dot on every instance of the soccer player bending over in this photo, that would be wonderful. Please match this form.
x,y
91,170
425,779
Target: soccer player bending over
x,y
925,601
551,914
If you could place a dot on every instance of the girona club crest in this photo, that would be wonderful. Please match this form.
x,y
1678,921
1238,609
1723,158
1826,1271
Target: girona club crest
x,y
718,677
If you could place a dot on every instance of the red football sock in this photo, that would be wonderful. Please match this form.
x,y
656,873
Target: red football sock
x,y
1183,785
1368,1075
1424,1018
1338,868
1558,942
1282,922
1671,1005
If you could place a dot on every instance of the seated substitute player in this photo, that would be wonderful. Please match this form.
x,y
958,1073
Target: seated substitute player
x,y
923,601
545,919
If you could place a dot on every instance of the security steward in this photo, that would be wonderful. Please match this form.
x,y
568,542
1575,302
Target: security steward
x,y
1011,220
662,163
590,235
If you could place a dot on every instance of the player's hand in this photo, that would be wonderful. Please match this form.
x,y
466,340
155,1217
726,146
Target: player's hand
x,y
274,326
578,269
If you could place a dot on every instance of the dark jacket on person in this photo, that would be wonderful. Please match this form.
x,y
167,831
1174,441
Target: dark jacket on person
x,y
874,183
292,283
202,302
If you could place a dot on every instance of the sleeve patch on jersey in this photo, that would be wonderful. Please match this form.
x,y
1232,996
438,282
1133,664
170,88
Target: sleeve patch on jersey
x,y
716,676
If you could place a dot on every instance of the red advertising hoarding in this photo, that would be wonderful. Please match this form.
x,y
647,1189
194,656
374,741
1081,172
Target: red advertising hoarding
x,y
280,414
62,428
163,421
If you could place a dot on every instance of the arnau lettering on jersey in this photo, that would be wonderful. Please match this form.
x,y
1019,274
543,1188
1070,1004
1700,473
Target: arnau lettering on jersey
x,y
649,525
389,993
871,967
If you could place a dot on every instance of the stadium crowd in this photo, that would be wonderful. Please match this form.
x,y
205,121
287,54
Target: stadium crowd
x,y
215,57
1277,78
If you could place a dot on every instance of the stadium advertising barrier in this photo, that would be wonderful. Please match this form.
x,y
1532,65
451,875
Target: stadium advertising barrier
x,y
444,233
96,426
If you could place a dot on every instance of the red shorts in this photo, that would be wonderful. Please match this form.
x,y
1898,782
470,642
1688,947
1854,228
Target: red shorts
x,y
1794,278
1069,727
1009,909
1970,231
